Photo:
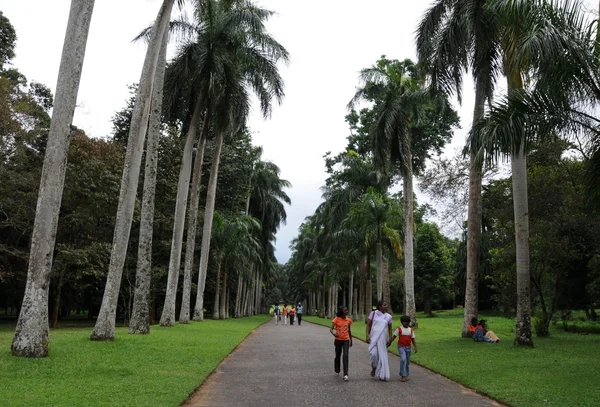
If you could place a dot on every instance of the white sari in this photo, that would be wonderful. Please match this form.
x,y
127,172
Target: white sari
x,y
378,346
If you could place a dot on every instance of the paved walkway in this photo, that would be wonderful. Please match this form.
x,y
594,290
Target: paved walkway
x,y
281,366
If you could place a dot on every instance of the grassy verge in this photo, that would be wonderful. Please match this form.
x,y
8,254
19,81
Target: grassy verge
x,y
160,369
561,370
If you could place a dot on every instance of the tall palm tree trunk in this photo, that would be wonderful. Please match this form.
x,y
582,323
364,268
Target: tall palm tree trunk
x,y
190,243
224,294
378,254
140,316
105,324
217,292
351,309
168,315
238,298
409,266
474,222
31,333
385,278
521,211
209,212
362,286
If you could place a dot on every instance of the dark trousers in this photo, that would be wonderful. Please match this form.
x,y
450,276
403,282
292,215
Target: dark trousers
x,y
291,319
339,346
299,319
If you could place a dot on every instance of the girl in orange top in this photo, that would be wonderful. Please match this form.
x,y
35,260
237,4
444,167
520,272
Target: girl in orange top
x,y
285,313
340,329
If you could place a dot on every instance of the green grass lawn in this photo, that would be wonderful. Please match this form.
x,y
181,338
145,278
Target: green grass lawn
x,y
161,369
562,370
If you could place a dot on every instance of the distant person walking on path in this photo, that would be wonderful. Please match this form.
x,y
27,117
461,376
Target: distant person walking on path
x,y
379,330
299,311
340,329
276,312
292,313
406,336
284,312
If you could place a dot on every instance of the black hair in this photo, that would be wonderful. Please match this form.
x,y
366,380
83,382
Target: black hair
x,y
379,304
404,318
482,322
474,321
340,312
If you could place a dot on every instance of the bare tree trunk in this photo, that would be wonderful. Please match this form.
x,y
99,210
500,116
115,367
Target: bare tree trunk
x,y
168,315
362,286
523,334
215,314
227,302
105,324
209,212
473,223
378,253
224,299
31,333
184,314
351,309
56,312
385,279
354,305
369,297
409,267
140,316
238,298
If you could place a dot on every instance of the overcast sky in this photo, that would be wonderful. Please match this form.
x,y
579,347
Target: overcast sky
x,y
329,42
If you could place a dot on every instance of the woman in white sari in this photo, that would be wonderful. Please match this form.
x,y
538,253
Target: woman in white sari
x,y
379,329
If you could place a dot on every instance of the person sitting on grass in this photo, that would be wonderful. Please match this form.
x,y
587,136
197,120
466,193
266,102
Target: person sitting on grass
x,y
483,335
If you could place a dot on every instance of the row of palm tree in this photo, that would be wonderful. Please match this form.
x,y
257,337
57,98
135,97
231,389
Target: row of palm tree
x,y
545,50
224,55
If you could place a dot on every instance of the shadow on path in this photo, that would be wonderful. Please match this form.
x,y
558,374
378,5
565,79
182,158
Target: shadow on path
x,y
280,366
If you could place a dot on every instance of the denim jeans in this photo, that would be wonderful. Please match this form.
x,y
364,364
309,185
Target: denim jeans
x,y
404,352
339,346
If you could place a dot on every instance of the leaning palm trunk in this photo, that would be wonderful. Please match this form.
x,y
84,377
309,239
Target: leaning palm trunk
x,y
168,315
473,222
209,211
105,324
31,333
140,316
409,266
184,314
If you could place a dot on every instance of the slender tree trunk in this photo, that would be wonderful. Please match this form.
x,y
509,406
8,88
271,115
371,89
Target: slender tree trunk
x,y
31,333
523,335
184,314
351,310
168,315
369,298
473,222
378,253
215,314
409,266
140,316
238,297
355,304
385,278
363,288
227,303
209,212
105,324
224,299
56,312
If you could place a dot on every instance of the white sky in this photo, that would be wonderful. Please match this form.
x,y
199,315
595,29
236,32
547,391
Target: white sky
x,y
329,42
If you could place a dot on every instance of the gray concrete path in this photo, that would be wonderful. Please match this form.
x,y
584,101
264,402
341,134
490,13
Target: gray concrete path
x,y
281,366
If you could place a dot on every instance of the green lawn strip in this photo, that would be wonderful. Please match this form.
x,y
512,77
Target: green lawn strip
x,y
563,370
160,369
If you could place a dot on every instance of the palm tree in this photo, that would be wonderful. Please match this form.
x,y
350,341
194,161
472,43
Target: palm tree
x,y
544,39
453,37
399,99
105,324
243,58
31,333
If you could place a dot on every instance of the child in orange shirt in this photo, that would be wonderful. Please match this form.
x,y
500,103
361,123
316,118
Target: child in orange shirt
x,y
406,336
340,329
